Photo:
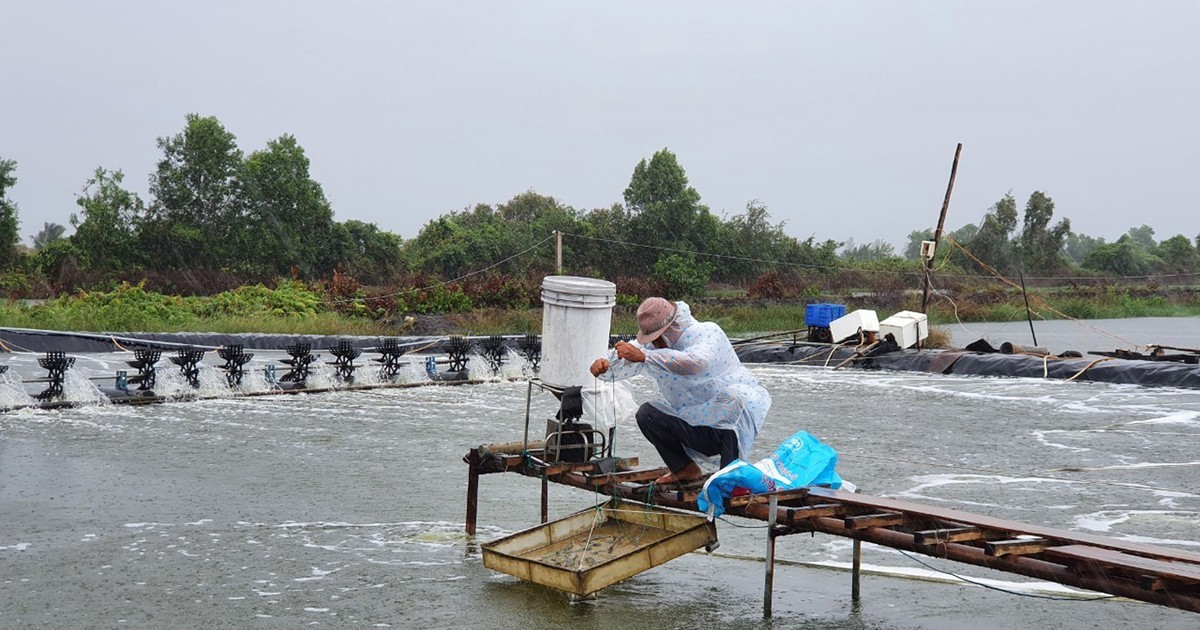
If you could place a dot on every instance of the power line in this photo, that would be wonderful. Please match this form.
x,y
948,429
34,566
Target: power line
x,y
452,280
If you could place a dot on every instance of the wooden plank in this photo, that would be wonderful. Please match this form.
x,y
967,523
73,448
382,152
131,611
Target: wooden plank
x,y
987,523
781,495
1105,559
588,467
822,510
1152,583
948,535
1017,547
628,476
874,520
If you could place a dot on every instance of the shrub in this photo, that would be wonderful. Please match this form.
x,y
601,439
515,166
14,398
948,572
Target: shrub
x,y
682,276
290,299
767,286
632,290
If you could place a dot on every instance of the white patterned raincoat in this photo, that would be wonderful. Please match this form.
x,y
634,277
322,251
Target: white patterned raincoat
x,y
701,380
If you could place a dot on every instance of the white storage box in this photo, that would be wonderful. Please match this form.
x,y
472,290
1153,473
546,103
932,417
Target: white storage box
x,y
908,327
849,324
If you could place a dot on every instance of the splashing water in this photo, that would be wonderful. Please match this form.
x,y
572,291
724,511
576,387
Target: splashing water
x,y
80,389
322,376
12,391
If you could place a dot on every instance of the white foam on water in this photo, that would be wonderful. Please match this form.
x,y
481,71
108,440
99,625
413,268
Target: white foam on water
x,y
930,482
1105,522
12,391
478,369
1140,465
80,389
937,480
212,381
169,382
1188,418
412,371
321,375
18,547
1167,498
1041,438
949,577
368,374
317,574
255,379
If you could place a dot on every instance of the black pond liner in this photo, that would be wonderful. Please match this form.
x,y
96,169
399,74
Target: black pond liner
x,y
1097,369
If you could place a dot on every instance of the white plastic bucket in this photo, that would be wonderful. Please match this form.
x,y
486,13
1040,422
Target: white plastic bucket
x,y
576,319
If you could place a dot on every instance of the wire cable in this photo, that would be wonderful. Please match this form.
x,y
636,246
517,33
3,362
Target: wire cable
x,y
446,282
1002,590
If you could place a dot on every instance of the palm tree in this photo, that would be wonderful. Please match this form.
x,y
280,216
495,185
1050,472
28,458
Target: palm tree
x,y
50,232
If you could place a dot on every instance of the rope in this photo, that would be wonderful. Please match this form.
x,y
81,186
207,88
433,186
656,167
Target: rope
x,y
1088,367
1038,298
9,348
118,344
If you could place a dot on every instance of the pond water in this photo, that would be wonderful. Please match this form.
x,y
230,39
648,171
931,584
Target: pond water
x,y
346,509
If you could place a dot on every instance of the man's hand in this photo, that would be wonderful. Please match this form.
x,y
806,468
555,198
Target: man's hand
x,y
599,366
630,352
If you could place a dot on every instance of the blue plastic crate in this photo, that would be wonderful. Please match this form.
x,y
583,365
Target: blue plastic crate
x,y
821,314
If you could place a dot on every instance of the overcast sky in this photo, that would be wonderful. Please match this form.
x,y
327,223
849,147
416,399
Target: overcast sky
x,y
842,117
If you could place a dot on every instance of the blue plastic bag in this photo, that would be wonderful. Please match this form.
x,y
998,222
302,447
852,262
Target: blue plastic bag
x,y
802,460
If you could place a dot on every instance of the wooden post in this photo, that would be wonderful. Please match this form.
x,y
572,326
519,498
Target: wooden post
x,y
769,582
558,252
472,493
1028,315
545,500
937,235
856,571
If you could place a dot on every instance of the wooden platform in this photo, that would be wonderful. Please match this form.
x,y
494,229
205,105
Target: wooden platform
x,y
1149,573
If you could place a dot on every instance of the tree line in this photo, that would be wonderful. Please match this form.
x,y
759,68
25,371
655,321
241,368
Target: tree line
x,y
215,212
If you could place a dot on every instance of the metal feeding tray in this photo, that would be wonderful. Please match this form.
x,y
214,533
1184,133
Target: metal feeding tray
x,y
600,546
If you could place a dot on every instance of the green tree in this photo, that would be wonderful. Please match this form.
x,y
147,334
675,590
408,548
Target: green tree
x,y
288,222
993,244
106,226
1177,254
878,249
1122,258
666,212
606,228
1142,238
455,243
367,252
1039,244
49,233
912,250
1077,247
681,275
755,243
462,242
197,216
10,224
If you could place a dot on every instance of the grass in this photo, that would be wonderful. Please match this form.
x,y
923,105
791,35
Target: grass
x,y
739,319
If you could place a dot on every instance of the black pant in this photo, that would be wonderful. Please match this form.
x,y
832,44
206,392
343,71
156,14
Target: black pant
x,y
669,434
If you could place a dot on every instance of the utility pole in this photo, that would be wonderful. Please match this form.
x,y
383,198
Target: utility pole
x,y
558,251
937,235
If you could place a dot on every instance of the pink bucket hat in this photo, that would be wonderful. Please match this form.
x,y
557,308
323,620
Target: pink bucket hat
x,y
654,316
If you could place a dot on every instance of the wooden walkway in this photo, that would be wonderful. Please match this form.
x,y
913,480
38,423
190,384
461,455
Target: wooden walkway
x,y
1149,573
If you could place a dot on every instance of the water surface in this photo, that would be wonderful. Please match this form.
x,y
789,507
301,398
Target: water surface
x,y
346,509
